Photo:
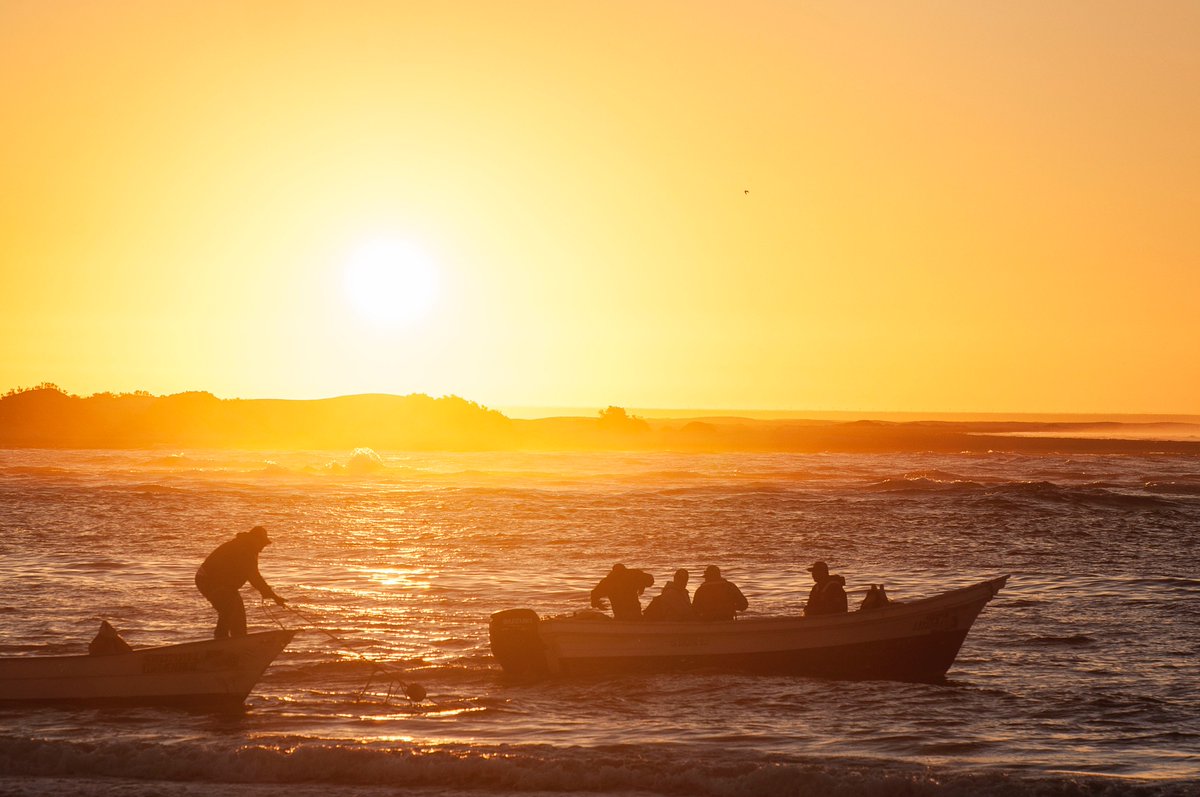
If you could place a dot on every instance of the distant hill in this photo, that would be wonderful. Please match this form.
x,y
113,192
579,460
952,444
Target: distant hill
x,y
47,417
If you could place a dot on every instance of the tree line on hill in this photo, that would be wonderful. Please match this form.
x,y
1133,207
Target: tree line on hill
x,y
45,416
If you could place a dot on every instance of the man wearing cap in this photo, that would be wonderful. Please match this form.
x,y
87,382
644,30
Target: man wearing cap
x,y
622,586
224,572
716,598
828,594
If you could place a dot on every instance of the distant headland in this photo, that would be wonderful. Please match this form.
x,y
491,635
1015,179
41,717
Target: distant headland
x,y
45,416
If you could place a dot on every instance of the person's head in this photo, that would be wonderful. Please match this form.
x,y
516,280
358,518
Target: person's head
x,y
712,573
681,577
819,570
618,568
258,535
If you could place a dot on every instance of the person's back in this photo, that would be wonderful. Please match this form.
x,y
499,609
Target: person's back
x,y
671,605
833,597
232,563
716,598
621,587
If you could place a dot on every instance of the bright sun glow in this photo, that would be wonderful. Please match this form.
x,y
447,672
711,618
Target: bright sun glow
x,y
390,283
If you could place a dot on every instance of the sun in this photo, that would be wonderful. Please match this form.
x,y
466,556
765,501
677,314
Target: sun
x,y
390,283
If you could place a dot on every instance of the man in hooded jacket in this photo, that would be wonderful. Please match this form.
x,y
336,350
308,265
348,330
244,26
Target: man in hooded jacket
x,y
224,572
828,594
673,604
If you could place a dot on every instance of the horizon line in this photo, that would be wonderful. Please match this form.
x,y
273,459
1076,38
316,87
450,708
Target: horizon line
x,y
534,411
525,412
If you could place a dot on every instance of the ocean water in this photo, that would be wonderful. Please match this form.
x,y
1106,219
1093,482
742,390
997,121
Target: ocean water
x,y
1081,677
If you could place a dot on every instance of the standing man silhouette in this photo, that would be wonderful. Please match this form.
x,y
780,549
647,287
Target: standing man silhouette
x,y
621,587
224,572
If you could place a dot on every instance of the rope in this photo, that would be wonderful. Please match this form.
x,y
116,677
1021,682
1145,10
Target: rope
x,y
396,677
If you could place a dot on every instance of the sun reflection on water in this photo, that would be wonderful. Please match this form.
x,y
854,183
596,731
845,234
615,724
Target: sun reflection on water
x,y
410,578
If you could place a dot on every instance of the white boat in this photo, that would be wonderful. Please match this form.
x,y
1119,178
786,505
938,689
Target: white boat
x,y
910,641
212,672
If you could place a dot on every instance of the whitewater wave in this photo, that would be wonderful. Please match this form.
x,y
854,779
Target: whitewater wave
x,y
655,769
363,461
922,485
1173,488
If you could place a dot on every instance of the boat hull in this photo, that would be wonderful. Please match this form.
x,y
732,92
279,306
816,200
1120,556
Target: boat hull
x,y
916,641
208,673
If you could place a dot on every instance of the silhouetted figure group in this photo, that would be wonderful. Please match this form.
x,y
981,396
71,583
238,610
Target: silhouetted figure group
x,y
716,598
235,562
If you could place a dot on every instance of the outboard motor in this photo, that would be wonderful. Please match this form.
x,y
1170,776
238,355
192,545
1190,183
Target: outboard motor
x,y
516,643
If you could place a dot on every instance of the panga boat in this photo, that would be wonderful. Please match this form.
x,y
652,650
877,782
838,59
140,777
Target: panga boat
x,y
911,641
212,672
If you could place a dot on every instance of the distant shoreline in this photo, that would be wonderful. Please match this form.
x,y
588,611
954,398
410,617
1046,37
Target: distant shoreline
x,y
46,417
534,412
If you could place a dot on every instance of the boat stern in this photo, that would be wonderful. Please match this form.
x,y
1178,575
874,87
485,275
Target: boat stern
x,y
517,643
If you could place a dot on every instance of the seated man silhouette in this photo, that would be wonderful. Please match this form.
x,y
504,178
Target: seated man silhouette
x,y
716,598
828,594
673,604
621,587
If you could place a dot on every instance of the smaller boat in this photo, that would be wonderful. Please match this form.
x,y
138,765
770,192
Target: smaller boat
x,y
217,672
912,641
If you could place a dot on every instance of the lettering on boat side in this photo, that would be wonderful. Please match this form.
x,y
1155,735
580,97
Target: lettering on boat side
x,y
686,642
941,621
188,662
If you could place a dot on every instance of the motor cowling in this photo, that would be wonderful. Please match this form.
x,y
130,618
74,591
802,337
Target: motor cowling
x,y
516,643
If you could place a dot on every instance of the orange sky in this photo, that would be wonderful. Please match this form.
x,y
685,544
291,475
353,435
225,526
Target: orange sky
x,y
952,206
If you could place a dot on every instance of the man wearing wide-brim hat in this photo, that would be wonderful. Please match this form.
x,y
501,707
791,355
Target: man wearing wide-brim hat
x,y
224,572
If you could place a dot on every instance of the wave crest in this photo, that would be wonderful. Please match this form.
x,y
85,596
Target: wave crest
x,y
508,769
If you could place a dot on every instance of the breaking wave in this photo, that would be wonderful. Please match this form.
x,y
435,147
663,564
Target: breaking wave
x,y
1173,488
658,769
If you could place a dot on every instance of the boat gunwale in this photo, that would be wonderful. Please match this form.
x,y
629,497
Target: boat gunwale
x,y
177,647
210,673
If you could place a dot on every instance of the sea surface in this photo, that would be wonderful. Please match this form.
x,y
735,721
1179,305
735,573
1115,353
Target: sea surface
x,y
1081,677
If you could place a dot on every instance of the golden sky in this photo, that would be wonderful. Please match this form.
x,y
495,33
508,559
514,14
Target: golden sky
x,y
940,206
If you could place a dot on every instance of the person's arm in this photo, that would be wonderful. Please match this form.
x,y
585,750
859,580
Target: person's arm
x,y
810,606
837,597
739,600
260,584
644,580
598,594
